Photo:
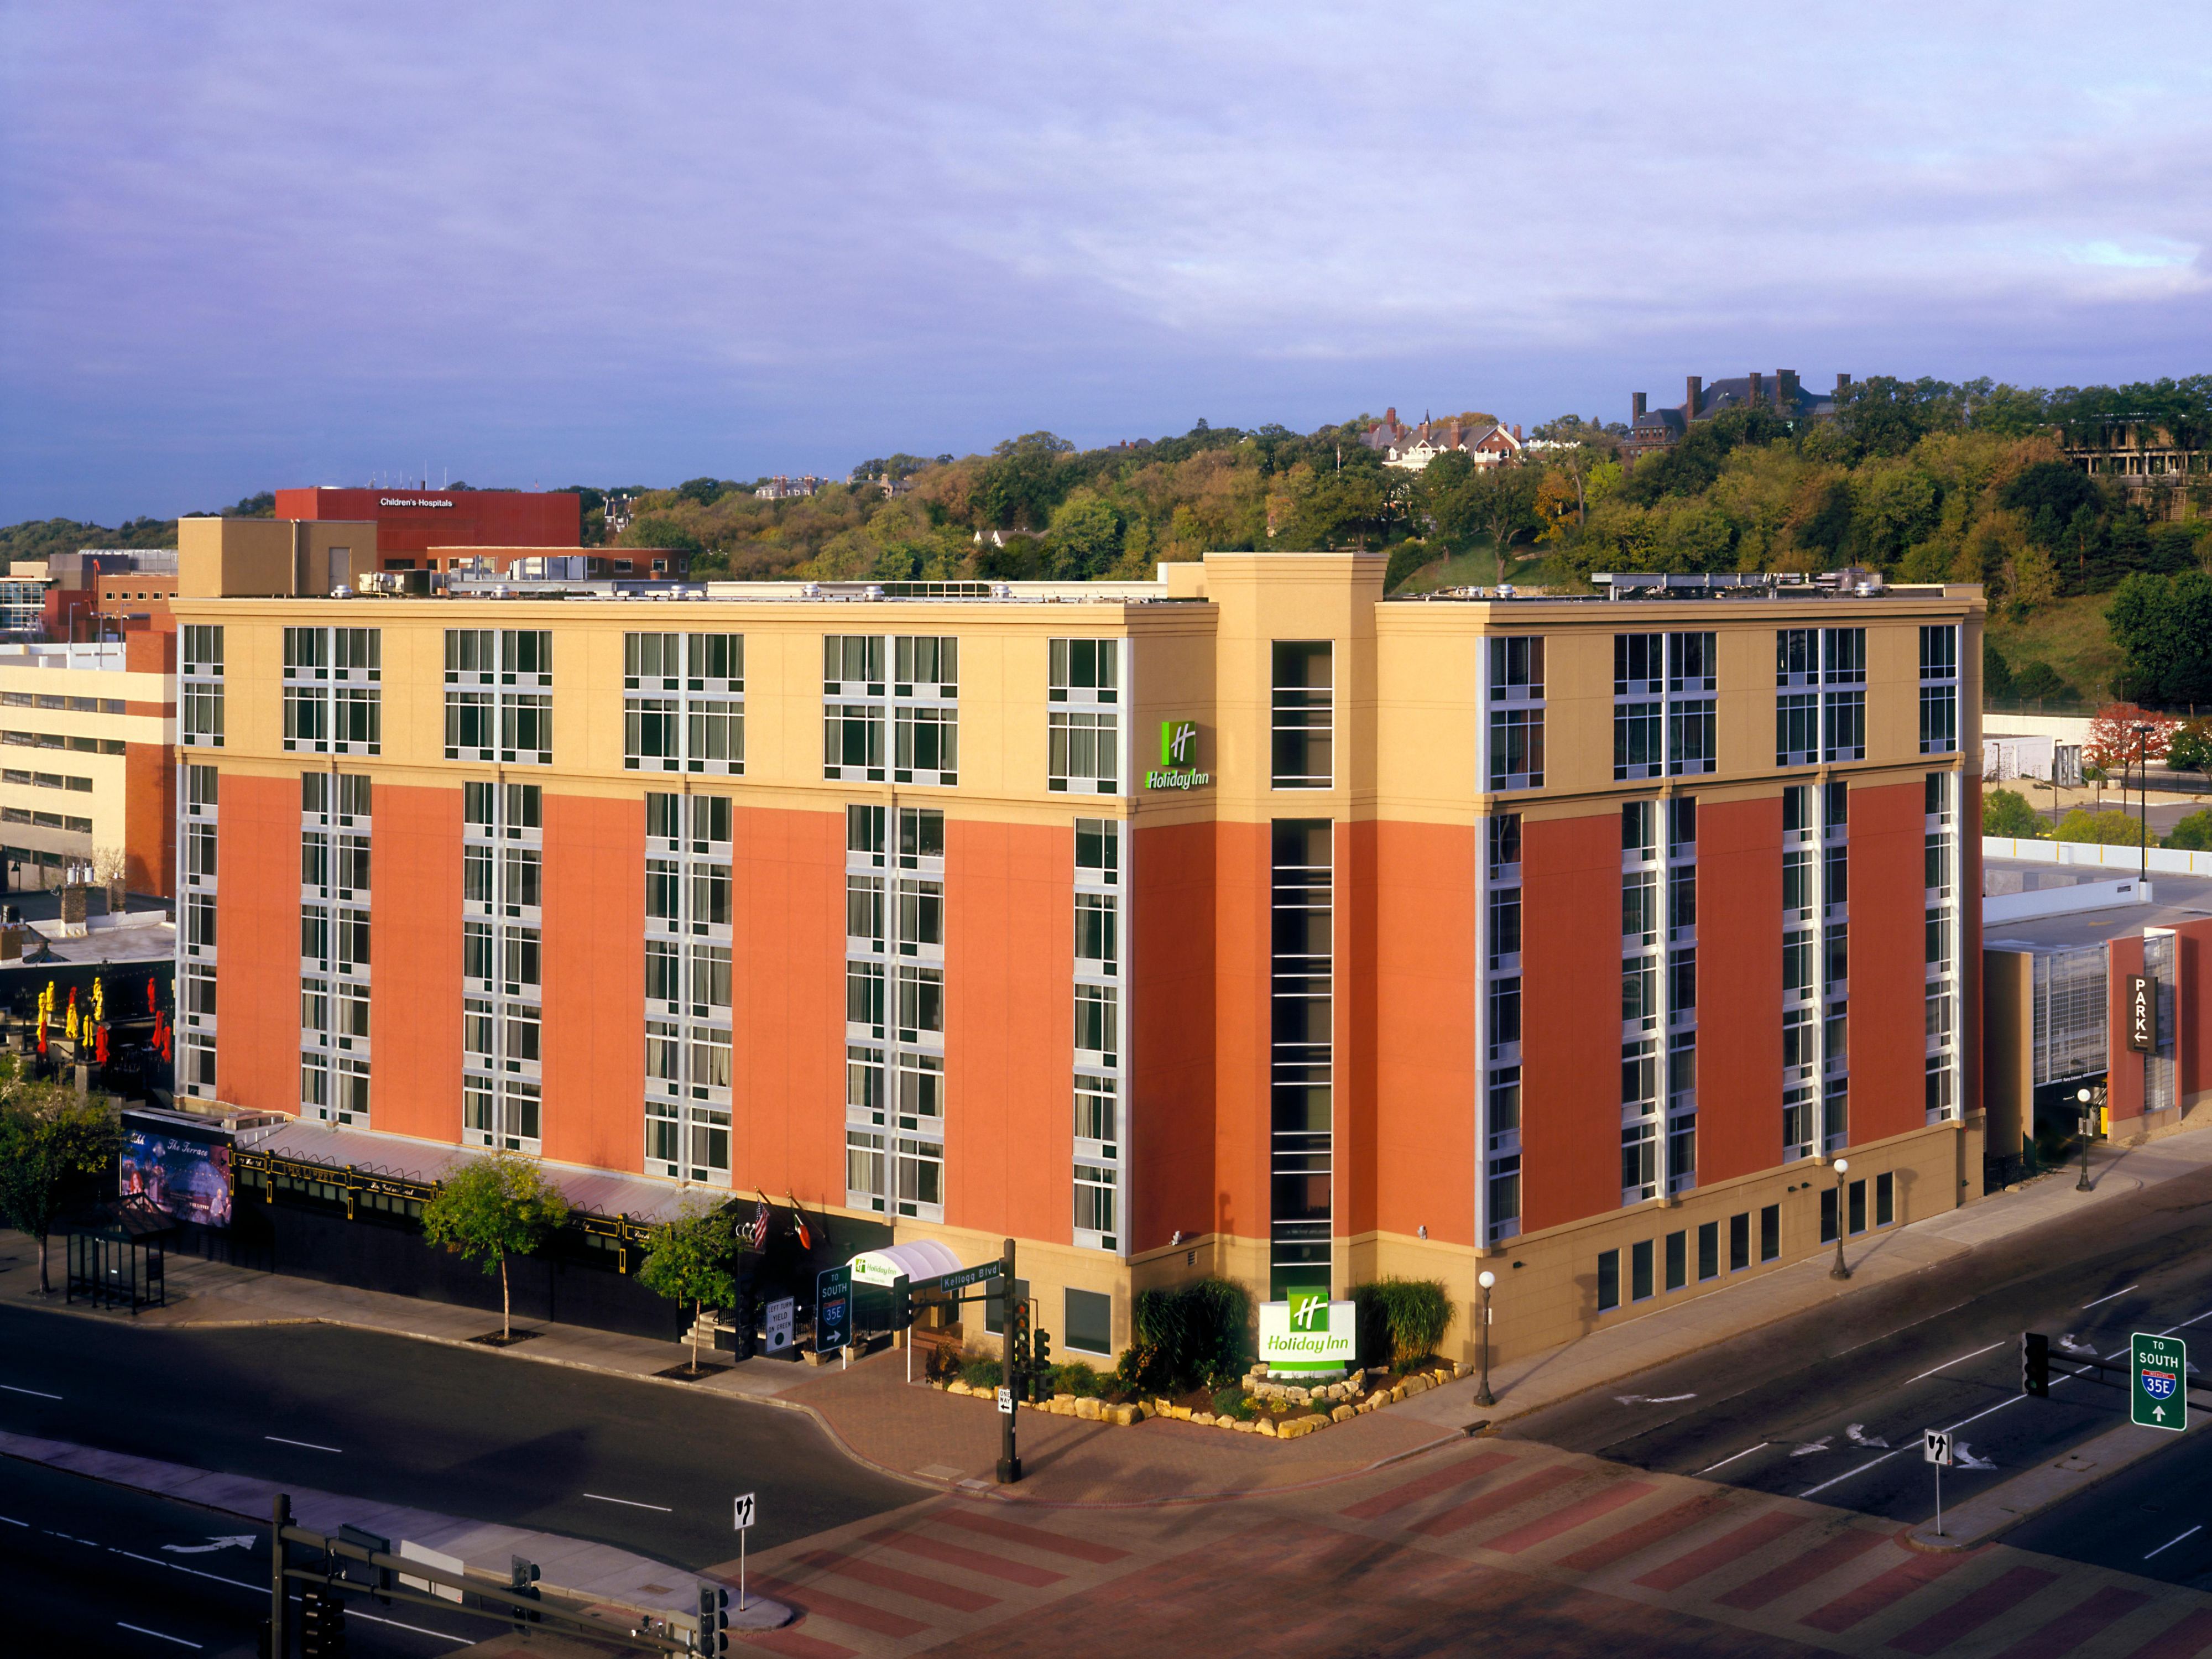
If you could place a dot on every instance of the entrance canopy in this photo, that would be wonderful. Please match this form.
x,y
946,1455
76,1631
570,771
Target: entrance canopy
x,y
923,1259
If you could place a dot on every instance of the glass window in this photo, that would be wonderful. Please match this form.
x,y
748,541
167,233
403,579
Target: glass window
x,y
1098,1020
1089,1325
1095,920
1097,1114
1084,670
1516,748
1094,1198
1517,668
1304,713
1639,1271
1099,851
1083,751
1608,1280
928,663
1709,1251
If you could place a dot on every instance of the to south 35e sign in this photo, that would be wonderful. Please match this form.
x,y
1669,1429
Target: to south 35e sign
x,y
2142,1013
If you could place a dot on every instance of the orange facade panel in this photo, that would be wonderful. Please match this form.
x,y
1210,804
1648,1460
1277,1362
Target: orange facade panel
x,y
1426,1075
594,968
1170,1145
1570,1022
787,964
1888,961
1353,1210
257,944
1010,1028
415,974
1241,920
1739,988
149,818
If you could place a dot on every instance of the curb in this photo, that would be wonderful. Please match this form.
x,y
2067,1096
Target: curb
x,y
1981,1532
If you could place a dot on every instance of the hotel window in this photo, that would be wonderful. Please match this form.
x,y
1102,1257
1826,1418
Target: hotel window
x,y
512,720
1096,916
200,695
1096,1190
1097,1019
201,654
1085,671
918,1174
1096,971
1516,732
1945,1016
653,662
332,701
1083,751
853,741
1939,690
1504,1191
675,720
1097,1111
1304,713
1302,1053
1663,718
895,1006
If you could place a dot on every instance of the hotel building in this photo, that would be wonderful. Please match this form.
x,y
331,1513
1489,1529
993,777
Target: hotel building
x,y
1241,921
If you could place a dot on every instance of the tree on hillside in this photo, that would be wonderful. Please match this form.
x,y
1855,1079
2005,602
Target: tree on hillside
x,y
2163,627
2123,735
687,1260
51,1138
491,1208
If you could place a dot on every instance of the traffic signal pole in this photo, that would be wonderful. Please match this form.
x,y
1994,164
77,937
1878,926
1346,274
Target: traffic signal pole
x,y
280,1517
1010,1460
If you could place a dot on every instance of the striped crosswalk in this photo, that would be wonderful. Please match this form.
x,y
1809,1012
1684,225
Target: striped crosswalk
x,y
1579,1550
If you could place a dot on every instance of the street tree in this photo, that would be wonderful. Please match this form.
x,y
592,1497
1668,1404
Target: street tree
x,y
491,1208
687,1260
51,1137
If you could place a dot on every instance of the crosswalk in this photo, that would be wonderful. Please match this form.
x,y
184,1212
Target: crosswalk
x,y
1578,1550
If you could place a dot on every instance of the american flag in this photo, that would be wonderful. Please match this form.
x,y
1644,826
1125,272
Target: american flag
x,y
756,1234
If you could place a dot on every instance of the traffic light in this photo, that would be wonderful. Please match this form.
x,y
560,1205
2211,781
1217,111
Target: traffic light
x,y
1041,1366
713,1619
522,1578
1018,1332
2035,1365
322,1624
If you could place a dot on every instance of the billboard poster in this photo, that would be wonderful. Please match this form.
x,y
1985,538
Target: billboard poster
x,y
189,1179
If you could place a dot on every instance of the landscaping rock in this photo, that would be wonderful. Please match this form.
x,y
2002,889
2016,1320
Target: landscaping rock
x,y
1205,1420
1268,1427
1087,1409
956,1386
1343,1414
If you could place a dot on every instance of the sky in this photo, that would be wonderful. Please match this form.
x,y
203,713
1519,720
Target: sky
x,y
248,245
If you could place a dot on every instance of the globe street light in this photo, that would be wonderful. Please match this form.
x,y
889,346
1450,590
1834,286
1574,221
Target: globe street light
x,y
1840,1271
1482,1394
2087,1098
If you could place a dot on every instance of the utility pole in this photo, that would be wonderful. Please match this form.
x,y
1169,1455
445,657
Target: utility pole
x,y
1010,1460
280,1518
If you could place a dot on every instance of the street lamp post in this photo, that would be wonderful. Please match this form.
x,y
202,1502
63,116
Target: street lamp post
x,y
1486,1279
2088,1102
2142,786
1840,1270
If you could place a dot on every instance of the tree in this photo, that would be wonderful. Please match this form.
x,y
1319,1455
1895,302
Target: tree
x,y
687,1260
2007,813
2163,627
2115,743
2190,750
491,1208
50,1138
660,529
2113,827
2194,833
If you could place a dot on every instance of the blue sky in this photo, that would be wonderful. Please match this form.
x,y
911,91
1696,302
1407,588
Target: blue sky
x,y
248,245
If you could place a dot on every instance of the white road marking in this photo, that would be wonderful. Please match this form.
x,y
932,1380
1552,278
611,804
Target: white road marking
x,y
34,1393
1857,1434
1847,1474
1968,1460
178,1566
245,1540
1653,1399
627,1503
1947,1364
13,1522
420,1630
1813,1446
1725,1462
141,1630
309,1444
2114,1296
2170,1542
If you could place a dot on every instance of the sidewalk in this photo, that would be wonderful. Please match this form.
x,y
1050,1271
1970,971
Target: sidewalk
x,y
947,1440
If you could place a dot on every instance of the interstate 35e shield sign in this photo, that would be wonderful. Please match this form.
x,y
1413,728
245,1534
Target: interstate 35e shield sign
x,y
2158,1381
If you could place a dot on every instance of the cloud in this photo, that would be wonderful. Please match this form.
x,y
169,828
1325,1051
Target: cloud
x,y
256,243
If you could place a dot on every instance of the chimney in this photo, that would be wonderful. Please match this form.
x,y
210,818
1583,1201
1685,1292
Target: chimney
x,y
1757,389
1635,409
1843,384
1785,391
1516,432
1697,384
1390,417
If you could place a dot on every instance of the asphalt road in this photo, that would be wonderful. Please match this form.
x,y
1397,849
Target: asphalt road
x,y
644,1466
1831,1405
88,1569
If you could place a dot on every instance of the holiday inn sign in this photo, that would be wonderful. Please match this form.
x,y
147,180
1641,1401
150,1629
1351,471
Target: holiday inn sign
x,y
1178,767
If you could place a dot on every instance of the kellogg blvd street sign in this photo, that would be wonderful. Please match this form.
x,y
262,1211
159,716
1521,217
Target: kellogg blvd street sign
x,y
2158,1381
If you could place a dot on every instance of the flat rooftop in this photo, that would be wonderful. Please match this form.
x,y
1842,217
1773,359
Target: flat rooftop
x,y
2173,898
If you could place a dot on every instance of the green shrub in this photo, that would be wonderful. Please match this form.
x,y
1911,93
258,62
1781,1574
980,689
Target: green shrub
x,y
1232,1402
1400,1320
2113,827
1076,1378
1405,558
982,1373
2193,833
1194,1335
2008,812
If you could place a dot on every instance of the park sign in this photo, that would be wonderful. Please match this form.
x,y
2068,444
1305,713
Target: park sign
x,y
1178,767
2158,1381
1308,1333
2142,1014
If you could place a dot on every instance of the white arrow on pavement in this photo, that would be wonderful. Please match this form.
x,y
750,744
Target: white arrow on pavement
x,y
2068,1343
1856,1433
1653,1399
1968,1460
245,1540
1812,1446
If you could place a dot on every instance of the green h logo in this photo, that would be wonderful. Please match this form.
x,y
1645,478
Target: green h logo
x,y
1309,1311
1178,742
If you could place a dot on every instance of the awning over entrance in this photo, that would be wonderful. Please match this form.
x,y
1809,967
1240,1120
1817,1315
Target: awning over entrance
x,y
923,1259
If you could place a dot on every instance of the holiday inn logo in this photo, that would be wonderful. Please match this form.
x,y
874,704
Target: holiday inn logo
x,y
1309,1311
1178,767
